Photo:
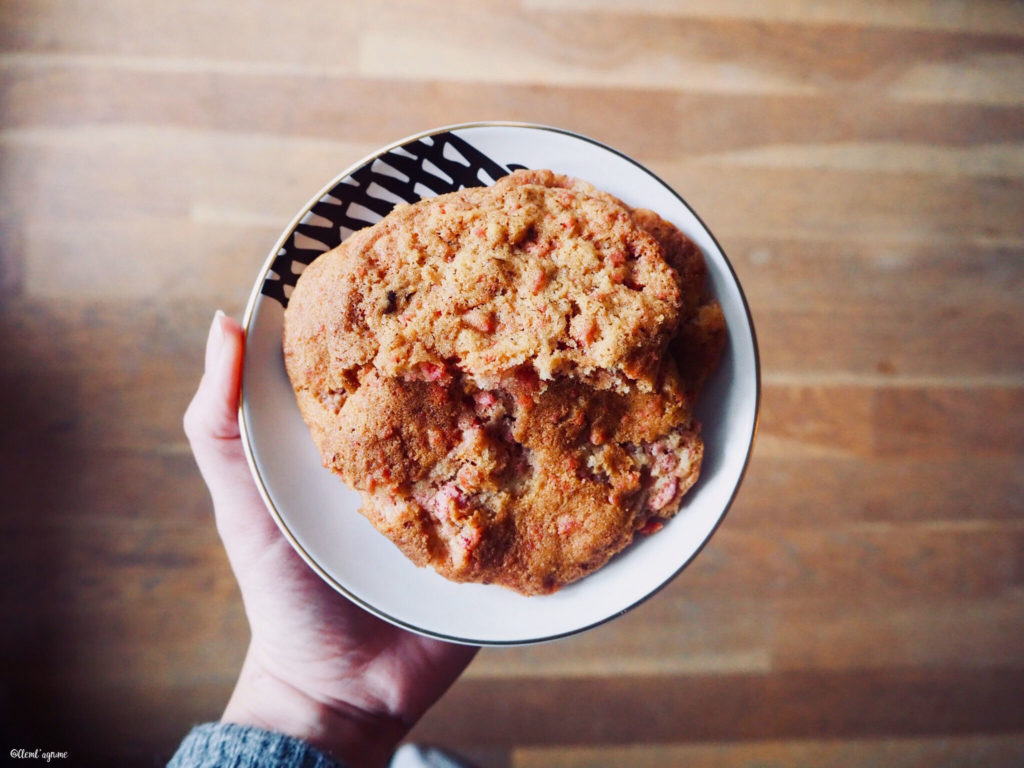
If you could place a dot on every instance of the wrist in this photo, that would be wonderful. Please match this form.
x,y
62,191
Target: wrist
x,y
346,732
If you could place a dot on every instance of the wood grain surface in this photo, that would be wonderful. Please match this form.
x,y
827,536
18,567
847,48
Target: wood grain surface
x,y
862,164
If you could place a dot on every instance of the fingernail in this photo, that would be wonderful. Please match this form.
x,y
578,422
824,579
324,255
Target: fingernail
x,y
215,340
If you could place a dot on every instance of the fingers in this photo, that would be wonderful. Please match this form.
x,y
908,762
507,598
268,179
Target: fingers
x,y
211,420
213,413
211,425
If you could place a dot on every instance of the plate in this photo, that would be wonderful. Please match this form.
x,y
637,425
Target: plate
x,y
319,514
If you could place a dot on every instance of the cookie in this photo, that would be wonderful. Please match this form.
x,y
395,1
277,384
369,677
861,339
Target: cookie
x,y
506,374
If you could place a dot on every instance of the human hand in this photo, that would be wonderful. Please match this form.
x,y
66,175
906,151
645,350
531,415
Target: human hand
x,y
318,667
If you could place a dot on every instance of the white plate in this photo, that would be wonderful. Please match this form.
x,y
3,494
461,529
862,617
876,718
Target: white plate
x,y
319,514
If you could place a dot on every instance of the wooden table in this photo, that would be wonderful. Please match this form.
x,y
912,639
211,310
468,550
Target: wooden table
x,y
861,163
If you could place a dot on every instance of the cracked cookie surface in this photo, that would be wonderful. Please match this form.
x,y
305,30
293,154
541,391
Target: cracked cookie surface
x,y
506,375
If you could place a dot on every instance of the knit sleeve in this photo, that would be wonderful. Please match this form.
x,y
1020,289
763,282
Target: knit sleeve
x,y
227,745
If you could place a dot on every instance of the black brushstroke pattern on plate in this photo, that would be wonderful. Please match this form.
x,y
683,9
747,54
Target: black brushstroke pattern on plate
x,y
430,165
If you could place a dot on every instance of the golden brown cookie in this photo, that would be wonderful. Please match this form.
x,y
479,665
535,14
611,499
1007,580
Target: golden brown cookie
x,y
494,370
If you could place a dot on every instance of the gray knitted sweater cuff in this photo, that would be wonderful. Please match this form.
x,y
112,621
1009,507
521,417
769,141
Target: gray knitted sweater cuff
x,y
227,745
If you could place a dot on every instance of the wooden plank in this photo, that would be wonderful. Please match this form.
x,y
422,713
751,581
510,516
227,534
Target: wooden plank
x,y
11,255
898,347
695,708
687,53
891,561
817,420
188,175
887,308
240,177
999,160
677,632
176,259
928,422
197,645
975,751
83,382
188,30
45,91
148,558
835,204
983,16
982,79
922,422
119,486
416,40
684,631
786,490
93,339
868,632
876,275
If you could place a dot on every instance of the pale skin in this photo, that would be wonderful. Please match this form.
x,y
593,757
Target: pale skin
x,y
318,667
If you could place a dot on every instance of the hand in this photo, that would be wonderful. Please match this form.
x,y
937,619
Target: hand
x,y
318,667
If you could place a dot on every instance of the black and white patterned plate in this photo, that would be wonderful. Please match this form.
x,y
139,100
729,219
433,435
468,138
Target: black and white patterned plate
x,y
319,515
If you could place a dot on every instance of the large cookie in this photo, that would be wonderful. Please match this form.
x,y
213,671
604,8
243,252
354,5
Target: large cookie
x,y
506,375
